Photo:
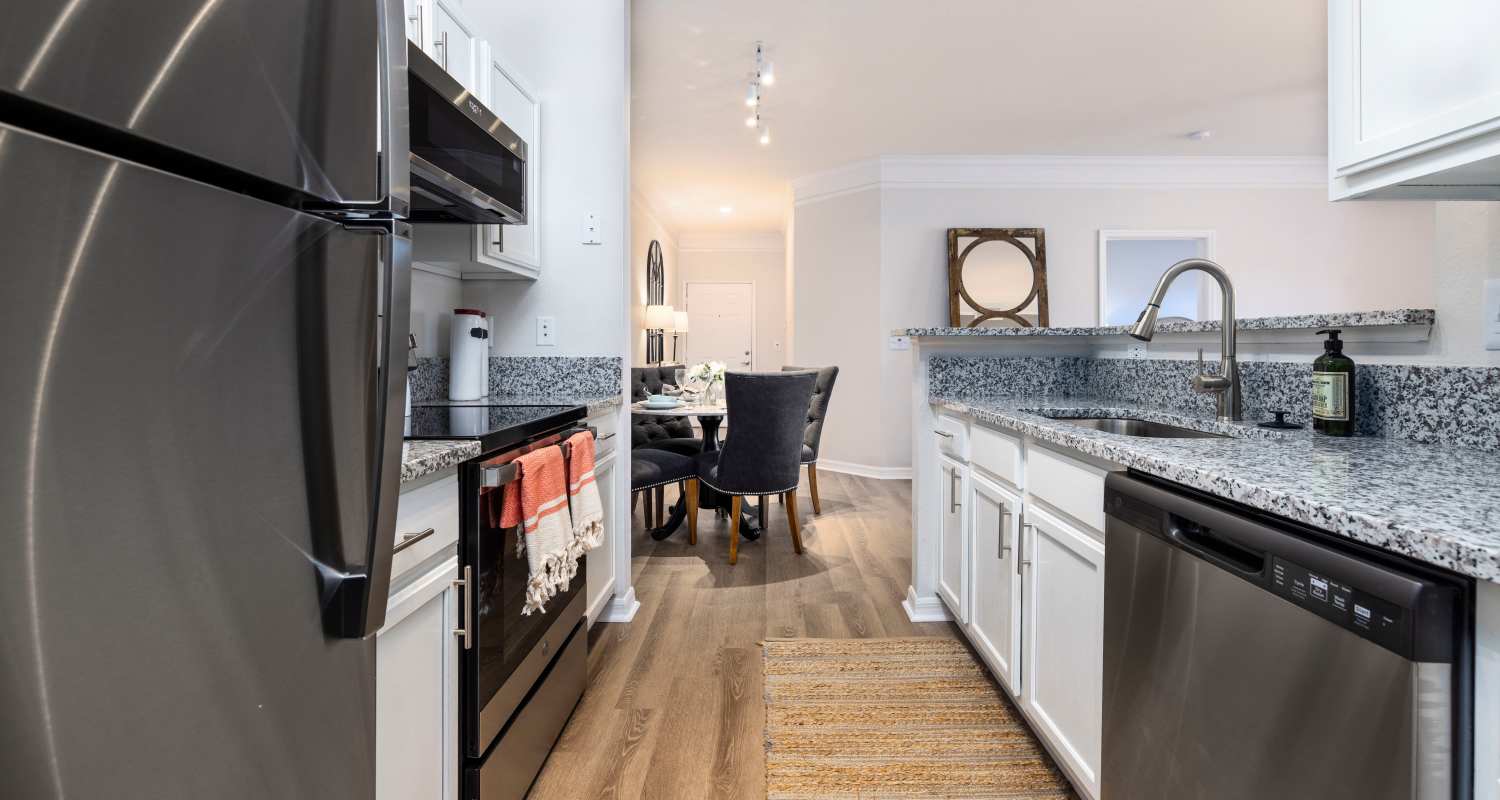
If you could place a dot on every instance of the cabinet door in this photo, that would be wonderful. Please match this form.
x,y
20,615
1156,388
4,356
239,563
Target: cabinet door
x,y
601,571
952,558
454,45
1407,78
1063,582
412,699
417,17
511,98
995,613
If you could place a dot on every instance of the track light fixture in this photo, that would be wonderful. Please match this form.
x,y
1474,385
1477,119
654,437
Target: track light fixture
x,y
764,75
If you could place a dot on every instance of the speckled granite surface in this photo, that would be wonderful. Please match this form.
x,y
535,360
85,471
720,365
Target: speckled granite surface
x,y
1422,403
419,459
430,379
1436,505
1351,319
556,376
596,404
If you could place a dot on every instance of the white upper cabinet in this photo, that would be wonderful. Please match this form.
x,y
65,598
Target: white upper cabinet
x,y
514,101
1414,99
454,44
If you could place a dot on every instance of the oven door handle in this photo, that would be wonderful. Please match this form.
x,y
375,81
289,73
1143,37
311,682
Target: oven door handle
x,y
462,631
491,477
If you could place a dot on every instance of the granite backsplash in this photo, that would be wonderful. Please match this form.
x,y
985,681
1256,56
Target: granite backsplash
x,y
1423,403
530,376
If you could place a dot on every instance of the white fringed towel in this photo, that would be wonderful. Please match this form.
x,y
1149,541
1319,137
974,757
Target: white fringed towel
x,y
583,493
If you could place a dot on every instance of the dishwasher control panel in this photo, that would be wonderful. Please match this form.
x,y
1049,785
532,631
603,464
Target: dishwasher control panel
x,y
1375,619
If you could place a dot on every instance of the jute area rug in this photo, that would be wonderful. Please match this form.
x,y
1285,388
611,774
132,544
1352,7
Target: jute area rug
x,y
900,718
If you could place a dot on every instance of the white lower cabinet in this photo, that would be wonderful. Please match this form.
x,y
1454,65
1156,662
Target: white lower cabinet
x,y
416,691
1063,640
953,562
995,613
601,560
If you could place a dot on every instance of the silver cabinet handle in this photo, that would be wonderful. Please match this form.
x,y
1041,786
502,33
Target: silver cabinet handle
x,y
1004,515
462,631
443,43
944,434
953,492
1024,562
606,437
409,539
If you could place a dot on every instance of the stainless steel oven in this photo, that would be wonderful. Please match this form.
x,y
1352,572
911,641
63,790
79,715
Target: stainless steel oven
x,y
519,675
467,166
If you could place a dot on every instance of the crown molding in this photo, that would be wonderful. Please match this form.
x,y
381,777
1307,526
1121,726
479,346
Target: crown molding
x,y
767,242
1060,172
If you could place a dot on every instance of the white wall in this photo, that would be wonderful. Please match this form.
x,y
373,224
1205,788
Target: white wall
x,y
575,52
756,259
433,298
875,259
1467,254
646,225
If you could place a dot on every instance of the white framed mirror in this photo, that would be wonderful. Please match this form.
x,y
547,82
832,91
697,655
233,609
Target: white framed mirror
x,y
1130,263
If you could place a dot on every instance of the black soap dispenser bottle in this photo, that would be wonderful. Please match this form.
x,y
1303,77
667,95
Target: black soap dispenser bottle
x,y
1333,388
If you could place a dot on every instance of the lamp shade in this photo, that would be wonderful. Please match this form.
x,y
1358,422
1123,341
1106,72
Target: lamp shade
x,y
680,321
658,318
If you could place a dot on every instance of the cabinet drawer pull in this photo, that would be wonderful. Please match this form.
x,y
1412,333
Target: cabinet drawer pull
x,y
462,631
409,539
606,437
944,434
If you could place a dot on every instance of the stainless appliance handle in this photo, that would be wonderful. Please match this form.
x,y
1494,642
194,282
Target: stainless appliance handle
x,y
462,631
409,539
491,477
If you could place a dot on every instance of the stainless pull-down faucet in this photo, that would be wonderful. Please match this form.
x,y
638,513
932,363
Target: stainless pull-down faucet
x,y
1225,386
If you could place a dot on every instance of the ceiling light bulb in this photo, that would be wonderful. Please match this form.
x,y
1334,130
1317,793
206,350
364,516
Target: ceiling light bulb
x,y
765,135
752,97
768,75
726,209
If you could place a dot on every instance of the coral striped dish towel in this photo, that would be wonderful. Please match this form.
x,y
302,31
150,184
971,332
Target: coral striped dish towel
x,y
583,493
539,501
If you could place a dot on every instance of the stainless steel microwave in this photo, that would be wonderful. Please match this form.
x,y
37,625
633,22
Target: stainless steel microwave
x,y
466,165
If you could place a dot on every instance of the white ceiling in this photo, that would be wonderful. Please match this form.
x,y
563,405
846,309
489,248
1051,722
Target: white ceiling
x,y
861,78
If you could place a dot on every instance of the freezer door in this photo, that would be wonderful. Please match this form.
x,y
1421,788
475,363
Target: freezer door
x,y
305,94
201,446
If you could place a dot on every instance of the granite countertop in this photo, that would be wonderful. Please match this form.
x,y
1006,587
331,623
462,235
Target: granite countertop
x,y
1350,319
422,458
596,404
1439,505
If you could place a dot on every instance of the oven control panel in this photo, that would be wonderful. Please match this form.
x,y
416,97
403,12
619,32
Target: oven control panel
x,y
1379,621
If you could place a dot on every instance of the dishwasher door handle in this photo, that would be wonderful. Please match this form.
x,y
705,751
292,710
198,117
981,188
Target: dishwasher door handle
x,y
1205,544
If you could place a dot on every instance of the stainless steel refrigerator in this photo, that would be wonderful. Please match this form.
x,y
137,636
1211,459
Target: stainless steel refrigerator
x,y
202,310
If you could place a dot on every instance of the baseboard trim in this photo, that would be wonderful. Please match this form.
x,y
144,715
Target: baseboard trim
x,y
924,609
622,609
865,470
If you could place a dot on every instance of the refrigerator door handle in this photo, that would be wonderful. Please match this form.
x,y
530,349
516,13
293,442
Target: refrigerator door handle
x,y
354,599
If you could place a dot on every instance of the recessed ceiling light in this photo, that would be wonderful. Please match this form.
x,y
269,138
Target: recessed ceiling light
x,y
1199,136
726,209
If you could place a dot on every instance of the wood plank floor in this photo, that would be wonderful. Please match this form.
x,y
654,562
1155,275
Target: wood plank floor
x,y
674,705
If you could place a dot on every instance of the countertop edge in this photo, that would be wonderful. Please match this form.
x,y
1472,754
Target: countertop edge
x,y
422,458
1441,548
1398,317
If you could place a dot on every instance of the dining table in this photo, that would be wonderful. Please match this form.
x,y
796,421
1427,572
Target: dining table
x,y
709,415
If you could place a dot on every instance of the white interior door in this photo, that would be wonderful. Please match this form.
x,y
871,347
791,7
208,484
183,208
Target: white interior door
x,y
721,324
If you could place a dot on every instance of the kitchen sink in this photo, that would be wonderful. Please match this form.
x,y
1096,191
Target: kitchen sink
x,y
1138,427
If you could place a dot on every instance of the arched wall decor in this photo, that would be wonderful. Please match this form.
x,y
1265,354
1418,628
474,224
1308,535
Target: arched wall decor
x,y
656,291
1026,295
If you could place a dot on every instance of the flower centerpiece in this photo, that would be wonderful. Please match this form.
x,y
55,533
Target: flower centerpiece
x,y
708,378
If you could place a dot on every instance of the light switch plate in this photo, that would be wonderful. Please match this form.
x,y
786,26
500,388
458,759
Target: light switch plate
x,y
591,229
900,342
1492,314
546,331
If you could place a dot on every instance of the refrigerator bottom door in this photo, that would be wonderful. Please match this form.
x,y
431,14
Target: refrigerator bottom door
x,y
507,771
195,433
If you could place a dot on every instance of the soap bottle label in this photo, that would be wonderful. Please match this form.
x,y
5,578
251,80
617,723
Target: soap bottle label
x,y
1330,391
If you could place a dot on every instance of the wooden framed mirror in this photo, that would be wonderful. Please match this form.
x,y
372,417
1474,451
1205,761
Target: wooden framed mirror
x,y
997,277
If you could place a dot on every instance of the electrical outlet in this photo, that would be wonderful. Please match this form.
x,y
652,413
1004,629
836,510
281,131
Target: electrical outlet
x,y
546,331
1492,314
591,229
900,342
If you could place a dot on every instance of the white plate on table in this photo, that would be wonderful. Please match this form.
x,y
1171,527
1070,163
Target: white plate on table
x,y
661,406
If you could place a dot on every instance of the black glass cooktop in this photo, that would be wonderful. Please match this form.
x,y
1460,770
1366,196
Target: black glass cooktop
x,y
495,427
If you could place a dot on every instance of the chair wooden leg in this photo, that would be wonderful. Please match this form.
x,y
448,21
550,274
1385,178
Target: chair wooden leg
x,y
812,484
760,509
692,510
791,521
661,506
648,517
735,504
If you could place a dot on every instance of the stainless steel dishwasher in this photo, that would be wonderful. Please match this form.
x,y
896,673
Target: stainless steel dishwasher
x,y
1248,657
